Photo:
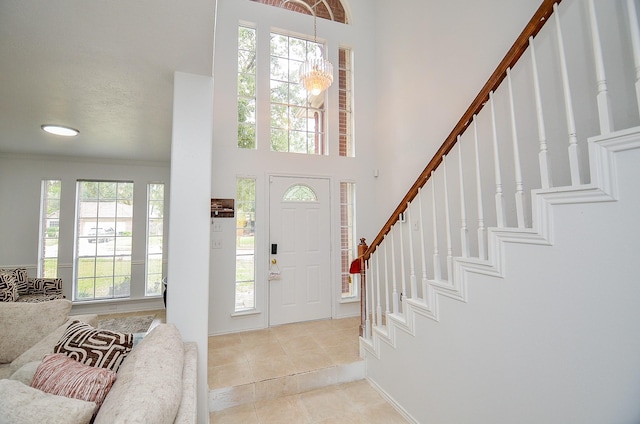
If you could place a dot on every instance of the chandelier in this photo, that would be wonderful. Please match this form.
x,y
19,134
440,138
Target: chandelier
x,y
316,73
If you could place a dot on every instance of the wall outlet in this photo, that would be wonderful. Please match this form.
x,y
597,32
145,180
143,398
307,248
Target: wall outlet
x,y
217,227
216,244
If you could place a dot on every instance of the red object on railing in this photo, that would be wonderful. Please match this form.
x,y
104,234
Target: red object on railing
x,y
355,266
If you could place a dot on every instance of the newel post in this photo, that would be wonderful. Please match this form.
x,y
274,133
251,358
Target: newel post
x,y
362,248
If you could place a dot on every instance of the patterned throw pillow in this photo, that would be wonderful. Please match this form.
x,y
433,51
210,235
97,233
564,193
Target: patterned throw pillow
x,y
21,279
8,288
62,376
45,285
94,347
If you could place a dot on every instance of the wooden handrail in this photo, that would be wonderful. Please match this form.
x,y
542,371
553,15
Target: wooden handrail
x,y
534,26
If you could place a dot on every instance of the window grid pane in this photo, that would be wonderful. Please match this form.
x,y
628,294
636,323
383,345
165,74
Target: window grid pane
x,y
246,88
347,242
345,112
49,228
245,298
297,117
103,241
155,239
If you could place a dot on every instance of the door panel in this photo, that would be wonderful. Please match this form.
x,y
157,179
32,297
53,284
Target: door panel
x,y
301,229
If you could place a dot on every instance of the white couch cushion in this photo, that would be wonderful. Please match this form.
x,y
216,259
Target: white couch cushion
x,y
148,388
21,404
22,325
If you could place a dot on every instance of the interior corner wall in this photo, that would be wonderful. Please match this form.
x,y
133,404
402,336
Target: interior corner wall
x,y
432,59
188,259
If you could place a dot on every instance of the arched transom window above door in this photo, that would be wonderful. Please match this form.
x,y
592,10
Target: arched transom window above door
x,y
300,193
332,10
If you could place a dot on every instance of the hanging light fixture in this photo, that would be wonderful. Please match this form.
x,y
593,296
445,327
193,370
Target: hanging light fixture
x,y
316,73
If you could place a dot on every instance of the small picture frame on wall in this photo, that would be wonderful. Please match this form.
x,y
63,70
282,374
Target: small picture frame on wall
x,y
222,208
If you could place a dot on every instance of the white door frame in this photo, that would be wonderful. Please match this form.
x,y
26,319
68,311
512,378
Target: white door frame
x,y
267,244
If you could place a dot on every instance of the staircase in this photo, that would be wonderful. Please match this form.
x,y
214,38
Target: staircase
x,y
503,288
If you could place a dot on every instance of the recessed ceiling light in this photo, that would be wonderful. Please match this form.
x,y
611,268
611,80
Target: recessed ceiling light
x,y
60,130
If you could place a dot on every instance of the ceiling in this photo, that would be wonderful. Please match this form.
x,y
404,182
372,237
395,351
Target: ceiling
x,y
104,67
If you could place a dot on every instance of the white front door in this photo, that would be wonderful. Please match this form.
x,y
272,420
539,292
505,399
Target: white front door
x,y
300,228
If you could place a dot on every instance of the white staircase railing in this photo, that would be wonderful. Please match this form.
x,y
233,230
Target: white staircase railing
x,y
531,135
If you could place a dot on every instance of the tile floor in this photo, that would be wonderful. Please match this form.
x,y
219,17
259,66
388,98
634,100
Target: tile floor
x,y
350,403
263,357
254,356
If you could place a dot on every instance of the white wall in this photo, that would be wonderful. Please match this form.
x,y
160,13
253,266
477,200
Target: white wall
x,y
188,268
229,162
20,186
554,341
432,58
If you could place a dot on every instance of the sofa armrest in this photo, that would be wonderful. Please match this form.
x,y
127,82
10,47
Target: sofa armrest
x,y
44,285
188,410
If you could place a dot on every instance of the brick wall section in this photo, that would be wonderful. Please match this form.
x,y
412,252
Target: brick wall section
x,y
321,10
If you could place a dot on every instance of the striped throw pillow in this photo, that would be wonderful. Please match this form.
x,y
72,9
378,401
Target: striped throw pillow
x,y
21,279
60,375
94,347
8,287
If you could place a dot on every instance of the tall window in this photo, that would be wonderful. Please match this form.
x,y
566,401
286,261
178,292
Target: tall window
x,y
245,244
297,117
49,228
345,101
347,242
103,239
246,88
155,238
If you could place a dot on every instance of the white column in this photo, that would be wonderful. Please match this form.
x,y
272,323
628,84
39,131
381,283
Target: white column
x,y
412,266
500,218
481,229
464,230
635,44
516,156
189,219
604,104
447,217
437,269
543,156
574,166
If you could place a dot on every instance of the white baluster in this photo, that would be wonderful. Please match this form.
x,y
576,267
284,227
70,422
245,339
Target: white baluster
x,y
369,305
464,231
379,308
481,228
386,279
574,166
437,270
496,165
447,222
395,306
423,249
543,156
635,44
604,104
412,266
403,278
516,156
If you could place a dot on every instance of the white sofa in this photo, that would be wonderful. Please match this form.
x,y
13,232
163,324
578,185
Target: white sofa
x,y
155,383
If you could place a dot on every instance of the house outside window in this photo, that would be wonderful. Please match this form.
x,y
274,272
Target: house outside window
x,y
155,239
104,212
245,297
345,103
297,117
246,88
347,240
49,228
